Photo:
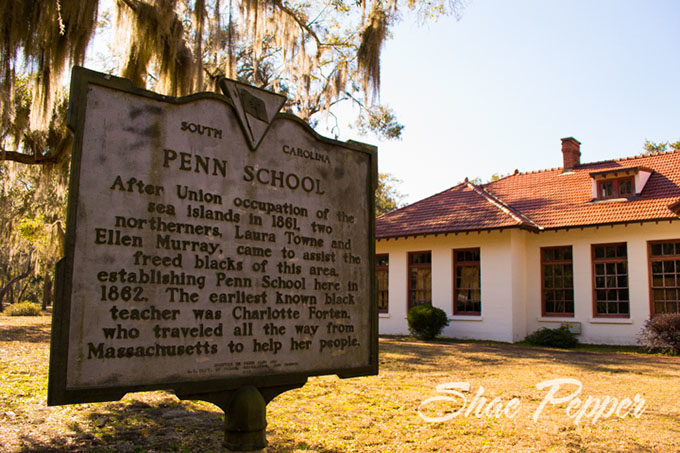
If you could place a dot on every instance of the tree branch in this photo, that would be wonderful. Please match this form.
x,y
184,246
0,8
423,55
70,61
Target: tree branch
x,y
28,158
132,4
279,4
6,288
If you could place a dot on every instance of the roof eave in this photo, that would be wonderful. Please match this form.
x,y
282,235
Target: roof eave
x,y
456,232
612,224
529,228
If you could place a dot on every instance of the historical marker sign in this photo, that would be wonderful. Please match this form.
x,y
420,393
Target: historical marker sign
x,y
211,242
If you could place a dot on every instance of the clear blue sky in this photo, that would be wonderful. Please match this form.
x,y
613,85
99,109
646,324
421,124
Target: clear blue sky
x,y
496,90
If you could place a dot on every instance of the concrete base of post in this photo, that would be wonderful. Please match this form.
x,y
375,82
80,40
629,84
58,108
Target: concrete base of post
x,y
245,424
245,412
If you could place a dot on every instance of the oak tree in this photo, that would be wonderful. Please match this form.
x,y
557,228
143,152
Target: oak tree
x,y
317,54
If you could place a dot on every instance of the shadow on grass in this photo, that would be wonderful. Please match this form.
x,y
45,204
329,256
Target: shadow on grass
x,y
138,426
31,334
410,352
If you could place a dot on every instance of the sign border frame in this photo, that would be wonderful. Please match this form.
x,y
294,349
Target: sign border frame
x,y
58,393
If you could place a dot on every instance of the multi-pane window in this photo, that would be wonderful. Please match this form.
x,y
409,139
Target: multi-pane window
x,y
606,189
626,187
381,276
664,263
467,299
419,278
557,277
610,277
615,188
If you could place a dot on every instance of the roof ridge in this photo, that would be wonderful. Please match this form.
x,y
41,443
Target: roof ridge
x,y
637,156
616,159
500,204
502,177
530,172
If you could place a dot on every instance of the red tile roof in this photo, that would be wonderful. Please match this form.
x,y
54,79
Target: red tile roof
x,y
547,199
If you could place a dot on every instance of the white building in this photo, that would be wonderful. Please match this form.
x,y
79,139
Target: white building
x,y
594,245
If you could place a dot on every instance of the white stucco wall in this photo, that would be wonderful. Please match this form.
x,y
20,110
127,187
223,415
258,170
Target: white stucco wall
x,y
495,323
511,284
518,267
598,330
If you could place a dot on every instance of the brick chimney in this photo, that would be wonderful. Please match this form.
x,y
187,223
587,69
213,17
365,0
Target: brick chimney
x,y
571,153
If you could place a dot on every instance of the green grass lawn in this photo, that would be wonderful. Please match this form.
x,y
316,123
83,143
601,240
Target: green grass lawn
x,y
375,413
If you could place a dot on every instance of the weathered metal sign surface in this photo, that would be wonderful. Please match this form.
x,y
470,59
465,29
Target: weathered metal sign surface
x,y
211,242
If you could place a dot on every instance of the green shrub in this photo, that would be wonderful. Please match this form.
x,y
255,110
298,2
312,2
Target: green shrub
x,y
426,322
24,308
555,338
662,332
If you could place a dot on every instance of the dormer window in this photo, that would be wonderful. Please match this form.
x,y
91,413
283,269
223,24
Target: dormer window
x,y
619,182
616,188
626,187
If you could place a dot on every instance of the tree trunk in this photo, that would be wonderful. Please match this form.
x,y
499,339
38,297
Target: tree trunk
x,y
47,291
21,293
10,285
